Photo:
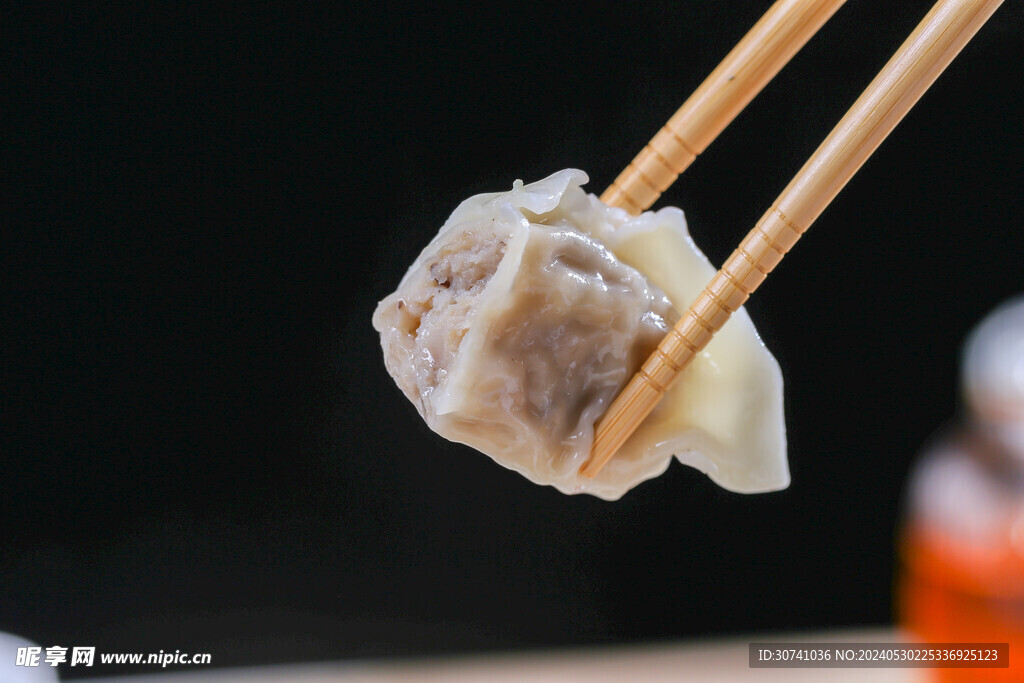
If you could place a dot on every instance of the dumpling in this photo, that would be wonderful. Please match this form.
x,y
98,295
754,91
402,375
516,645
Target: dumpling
x,y
530,310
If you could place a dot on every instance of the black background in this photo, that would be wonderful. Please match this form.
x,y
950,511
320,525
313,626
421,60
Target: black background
x,y
201,449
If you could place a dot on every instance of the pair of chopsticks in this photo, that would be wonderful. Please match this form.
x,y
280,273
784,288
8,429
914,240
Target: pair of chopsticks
x,y
760,55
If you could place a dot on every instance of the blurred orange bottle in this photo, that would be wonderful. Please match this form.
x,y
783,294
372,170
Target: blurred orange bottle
x,y
962,544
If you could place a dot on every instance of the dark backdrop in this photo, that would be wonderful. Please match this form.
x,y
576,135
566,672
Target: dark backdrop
x,y
201,449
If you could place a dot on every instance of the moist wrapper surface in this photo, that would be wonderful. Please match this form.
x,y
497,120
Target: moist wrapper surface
x,y
531,309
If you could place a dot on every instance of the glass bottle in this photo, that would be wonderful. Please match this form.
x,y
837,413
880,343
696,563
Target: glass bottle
x,y
962,544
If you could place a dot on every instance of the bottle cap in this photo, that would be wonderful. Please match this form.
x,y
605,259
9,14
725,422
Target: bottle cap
x,y
993,365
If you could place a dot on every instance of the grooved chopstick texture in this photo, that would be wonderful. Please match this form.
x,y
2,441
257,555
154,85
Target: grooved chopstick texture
x,y
923,56
755,60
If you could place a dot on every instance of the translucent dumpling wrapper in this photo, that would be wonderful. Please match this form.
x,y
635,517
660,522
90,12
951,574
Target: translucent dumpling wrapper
x,y
531,309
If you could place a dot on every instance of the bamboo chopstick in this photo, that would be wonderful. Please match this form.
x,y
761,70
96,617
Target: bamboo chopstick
x,y
926,53
755,60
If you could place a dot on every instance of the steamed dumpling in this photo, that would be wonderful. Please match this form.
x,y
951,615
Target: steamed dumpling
x,y
530,310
